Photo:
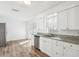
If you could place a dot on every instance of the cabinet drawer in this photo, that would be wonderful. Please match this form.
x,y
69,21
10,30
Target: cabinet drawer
x,y
58,46
59,49
68,52
77,54
53,42
72,46
56,54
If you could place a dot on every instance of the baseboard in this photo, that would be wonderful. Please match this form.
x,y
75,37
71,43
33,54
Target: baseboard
x,y
16,40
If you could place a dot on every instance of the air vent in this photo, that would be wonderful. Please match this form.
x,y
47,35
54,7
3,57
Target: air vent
x,y
15,10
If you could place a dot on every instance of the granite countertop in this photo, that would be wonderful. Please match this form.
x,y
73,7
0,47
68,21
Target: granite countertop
x,y
64,38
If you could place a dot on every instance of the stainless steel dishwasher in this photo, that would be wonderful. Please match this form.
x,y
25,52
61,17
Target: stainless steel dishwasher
x,y
36,41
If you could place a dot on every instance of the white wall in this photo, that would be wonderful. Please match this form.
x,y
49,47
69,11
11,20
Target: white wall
x,y
15,30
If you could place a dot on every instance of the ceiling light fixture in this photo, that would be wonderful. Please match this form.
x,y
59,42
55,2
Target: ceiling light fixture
x,y
27,2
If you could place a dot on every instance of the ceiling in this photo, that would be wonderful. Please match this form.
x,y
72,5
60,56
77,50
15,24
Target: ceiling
x,y
24,12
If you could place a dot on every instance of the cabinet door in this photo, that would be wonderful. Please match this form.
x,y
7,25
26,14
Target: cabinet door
x,y
71,45
77,53
58,48
70,52
62,20
56,54
48,46
73,18
42,43
45,45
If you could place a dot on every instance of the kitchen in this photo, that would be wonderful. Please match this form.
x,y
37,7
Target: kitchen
x,y
57,32
39,29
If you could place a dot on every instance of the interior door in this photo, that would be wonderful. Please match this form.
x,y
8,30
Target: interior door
x,y
2,34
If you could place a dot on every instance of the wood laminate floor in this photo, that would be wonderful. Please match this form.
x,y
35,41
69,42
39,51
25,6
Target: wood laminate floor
x,y
20,48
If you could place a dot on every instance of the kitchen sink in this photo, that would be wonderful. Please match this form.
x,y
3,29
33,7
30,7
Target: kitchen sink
x,y
47,34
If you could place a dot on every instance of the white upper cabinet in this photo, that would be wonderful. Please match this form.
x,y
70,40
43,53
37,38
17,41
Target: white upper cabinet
x,y
69,19
73,18
62,20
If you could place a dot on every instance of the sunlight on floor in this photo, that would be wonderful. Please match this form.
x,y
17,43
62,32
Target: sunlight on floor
x,y
26,43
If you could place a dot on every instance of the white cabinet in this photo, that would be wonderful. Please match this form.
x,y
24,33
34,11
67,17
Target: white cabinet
x,y
55,48
71,50
59,47
42,44
45,45
73,18
71,46
77,53
62,20
69,19
68,52
51,47
56,54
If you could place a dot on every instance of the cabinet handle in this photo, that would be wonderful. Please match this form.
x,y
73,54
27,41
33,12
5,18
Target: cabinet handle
x,y
56,45
70,45
78,33
67,28
56,42
56,52
64,48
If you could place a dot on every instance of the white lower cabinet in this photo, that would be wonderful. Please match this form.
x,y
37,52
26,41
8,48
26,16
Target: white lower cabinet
x,y
51,47
56,54
77,53
71,50
55,48
45,45
68,52
71,45
42,44
58,46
